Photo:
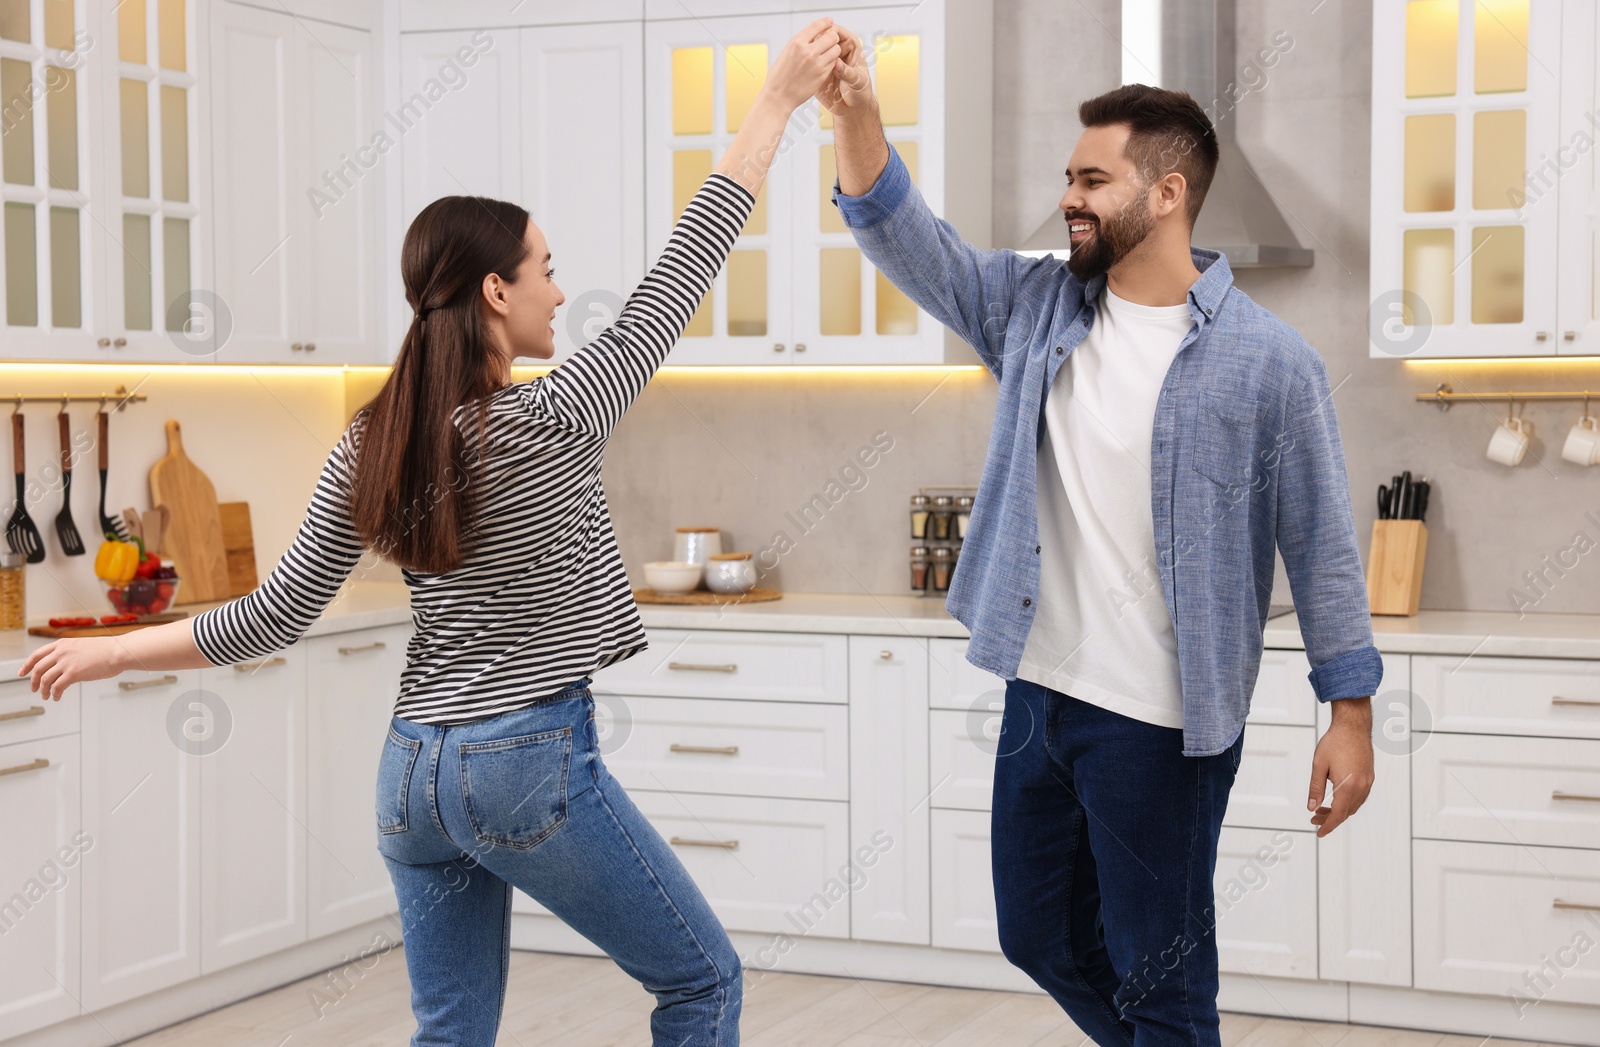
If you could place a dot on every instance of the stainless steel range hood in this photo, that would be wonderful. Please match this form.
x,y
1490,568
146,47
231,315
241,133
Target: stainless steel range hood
x,y
1188,45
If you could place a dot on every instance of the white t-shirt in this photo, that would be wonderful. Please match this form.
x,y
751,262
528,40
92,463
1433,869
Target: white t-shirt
x,y
1101,632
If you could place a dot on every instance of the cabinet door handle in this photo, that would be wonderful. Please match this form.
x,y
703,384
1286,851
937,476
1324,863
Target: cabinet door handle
x,y
730,667
246,667
777,347
296,346
32,710
104,343
376,645
19,768
1577,906
726,845
120,342
799,347
1540,336
311,347
1571,336
886,655
155,681
719,750
1559,795
1590,702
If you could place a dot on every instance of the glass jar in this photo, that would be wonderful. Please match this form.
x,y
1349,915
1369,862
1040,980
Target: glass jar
x,y
942,561
919,516
919,568
13,591
939,523
963,514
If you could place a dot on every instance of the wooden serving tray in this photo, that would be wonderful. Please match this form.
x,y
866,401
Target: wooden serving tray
x,y
706,596
57,632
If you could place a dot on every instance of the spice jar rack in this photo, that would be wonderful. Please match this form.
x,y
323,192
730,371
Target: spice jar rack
x,y
938,518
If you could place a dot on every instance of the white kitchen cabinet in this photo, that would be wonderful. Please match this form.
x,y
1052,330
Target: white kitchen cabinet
x,y
1363,932
548,118
963,911
796,289
1269,789
1549,697
1265,891
298,147
1528,791
889,786
104,185
141,805
252,807
1483,193
41,865
352,681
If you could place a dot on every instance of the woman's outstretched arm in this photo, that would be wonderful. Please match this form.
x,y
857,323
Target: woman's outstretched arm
x,y
591,390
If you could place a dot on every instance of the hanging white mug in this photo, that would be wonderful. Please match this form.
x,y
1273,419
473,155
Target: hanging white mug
x,y
1510,441
1583,442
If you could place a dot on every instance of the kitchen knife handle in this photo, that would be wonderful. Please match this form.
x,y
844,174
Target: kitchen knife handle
x,y
100,438
18,455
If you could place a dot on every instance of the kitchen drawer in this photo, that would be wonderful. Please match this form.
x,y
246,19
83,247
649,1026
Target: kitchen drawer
x,y
24,716
770,866
963,882
962,748
1266,902
1495,919
1510,790
717,663
1283,693
955,683
1269,791
1554,697
711,745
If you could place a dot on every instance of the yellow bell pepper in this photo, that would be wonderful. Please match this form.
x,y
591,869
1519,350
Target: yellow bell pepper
x,y
116,561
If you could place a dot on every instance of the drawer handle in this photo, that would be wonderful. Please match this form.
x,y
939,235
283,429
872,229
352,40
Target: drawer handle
x,y
245,667
1559,795
19,768
726,845
1579,906
703,668
1558,700
35,710
154,681
376,645
719,750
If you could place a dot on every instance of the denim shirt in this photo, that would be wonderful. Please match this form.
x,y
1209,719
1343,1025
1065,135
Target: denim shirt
x,y
1245,457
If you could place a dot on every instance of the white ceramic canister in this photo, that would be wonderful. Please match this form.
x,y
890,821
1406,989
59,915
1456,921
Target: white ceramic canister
x,y
731,573
696,544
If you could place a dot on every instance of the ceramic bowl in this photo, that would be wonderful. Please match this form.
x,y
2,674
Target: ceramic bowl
x,y
733,573
673,576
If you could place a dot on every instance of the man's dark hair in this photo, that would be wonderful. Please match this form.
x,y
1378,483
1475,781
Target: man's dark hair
x,y
1168,131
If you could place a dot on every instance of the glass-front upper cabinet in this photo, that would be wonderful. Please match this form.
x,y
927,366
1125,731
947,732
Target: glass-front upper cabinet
x,y
1574,164
1466,217
796,289
100,189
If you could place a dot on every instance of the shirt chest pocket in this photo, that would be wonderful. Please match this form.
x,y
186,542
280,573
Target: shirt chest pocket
x,y
1226,433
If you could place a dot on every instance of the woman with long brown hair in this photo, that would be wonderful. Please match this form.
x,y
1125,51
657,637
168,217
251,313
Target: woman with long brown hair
x,y
487,494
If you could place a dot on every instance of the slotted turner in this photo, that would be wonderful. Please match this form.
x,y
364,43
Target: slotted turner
x,y
66,530
111,528
21,534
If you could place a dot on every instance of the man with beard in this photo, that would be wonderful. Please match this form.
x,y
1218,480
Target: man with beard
x,y
1157,436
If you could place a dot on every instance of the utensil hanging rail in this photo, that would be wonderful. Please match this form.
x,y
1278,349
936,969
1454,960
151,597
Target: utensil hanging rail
x,y
1444,396
121,397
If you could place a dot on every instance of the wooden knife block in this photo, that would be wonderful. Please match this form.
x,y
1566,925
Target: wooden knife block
x,y
1394,566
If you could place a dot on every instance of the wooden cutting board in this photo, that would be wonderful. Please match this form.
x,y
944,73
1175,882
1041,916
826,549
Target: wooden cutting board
x,y
56,632
194,531
238,546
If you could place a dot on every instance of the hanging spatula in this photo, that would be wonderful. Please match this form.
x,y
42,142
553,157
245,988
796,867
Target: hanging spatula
x,y
66,530
21,534
109,526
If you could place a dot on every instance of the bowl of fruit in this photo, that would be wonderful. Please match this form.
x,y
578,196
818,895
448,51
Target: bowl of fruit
x,y
135,581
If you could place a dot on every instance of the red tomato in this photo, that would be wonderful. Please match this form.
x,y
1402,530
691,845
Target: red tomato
x,y
165,590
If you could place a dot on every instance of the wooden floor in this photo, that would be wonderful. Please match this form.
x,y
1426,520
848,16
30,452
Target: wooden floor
x,y
569,1001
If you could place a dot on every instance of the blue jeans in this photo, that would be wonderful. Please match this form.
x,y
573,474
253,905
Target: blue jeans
x,y
1104,846
523,799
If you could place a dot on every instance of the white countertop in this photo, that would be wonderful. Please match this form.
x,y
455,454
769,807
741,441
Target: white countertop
x,y
364,604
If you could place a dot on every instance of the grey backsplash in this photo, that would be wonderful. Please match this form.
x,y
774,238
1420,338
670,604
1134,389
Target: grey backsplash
x,y
740,452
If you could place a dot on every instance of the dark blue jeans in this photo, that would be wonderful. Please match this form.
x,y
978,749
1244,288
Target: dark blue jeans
x,y
1104,847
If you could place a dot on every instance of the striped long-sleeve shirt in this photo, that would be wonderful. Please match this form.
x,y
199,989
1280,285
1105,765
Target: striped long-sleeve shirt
x,y
542,598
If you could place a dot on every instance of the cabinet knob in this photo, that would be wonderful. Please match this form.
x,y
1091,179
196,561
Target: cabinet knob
x,y
311,347
104,343
1540,336
1571,336
799,347
120,342
296,347
777,347
886,655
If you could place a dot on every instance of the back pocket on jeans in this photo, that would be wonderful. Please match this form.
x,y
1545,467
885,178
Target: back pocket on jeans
x,y
515,789
394,781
